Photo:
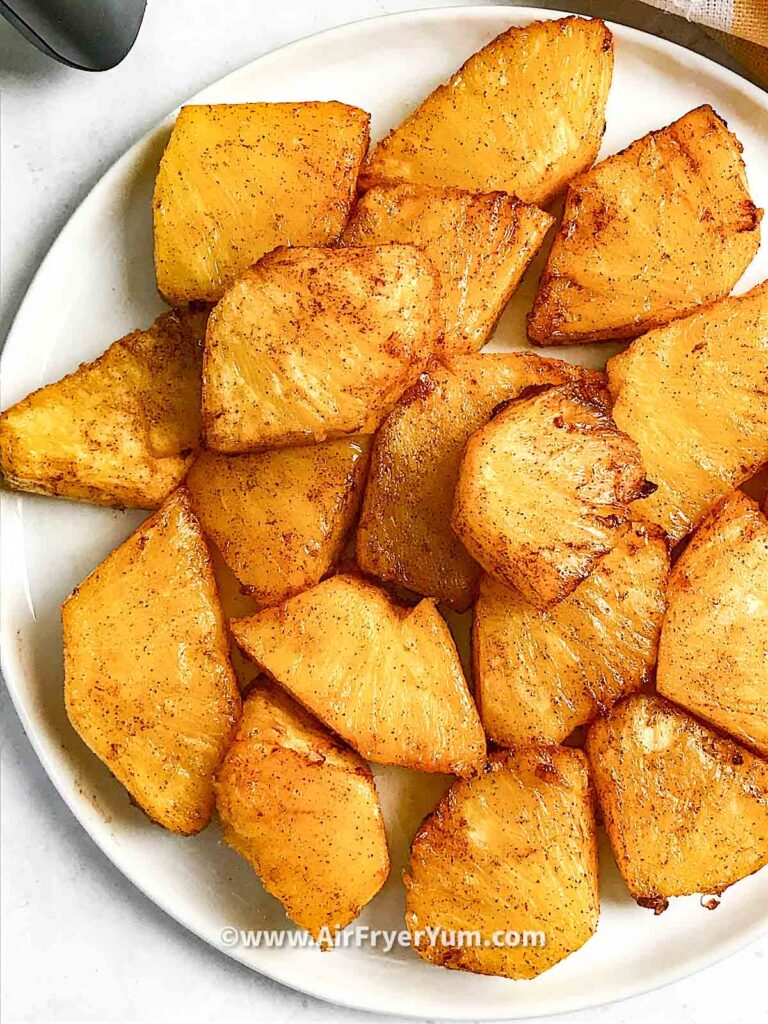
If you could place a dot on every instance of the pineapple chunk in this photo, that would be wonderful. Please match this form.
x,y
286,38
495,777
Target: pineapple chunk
x,y
236,180
148,683
120,431
524,115
302,808
714,645
693,397
313,344
512,848
686,809
544,490
405,535
479,243
386,679
648,235
280,518
540,674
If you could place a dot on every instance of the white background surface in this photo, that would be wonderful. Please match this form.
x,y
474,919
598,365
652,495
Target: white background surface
x,y
78,941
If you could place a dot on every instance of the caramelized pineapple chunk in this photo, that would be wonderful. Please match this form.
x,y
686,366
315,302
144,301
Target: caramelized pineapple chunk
x,y
312,344
280,518
386,679
405,534
712,657
119,431
239,179
693,397
648,235
302,808
148,683
524,115
544,490
686,809
540,674
479,243
512,849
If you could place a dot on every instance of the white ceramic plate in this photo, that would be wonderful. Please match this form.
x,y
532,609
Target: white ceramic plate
x,y
97,283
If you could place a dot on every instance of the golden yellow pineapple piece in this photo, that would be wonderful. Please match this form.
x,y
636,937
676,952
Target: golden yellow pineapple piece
x,y
479,243
280,518
312,344
648,235
302,808
692,395
524,115
513,848
544,490
714,645
404,535
119,431
686,809
239,179
386,679
540,674
147,679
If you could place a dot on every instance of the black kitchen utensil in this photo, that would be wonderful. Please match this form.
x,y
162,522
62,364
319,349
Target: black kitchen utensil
x,y
93,35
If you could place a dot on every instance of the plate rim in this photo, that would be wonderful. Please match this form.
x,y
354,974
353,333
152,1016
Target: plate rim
x,y
10,660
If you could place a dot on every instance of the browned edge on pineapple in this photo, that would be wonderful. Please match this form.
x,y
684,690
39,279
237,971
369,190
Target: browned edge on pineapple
x,y
544,490
541,674
512,849
715,636
120,431
148,683
524,115
649,235
686,809
237,180
386,679
302,808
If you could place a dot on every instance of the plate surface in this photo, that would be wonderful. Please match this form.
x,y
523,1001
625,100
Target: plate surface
x,y
96,284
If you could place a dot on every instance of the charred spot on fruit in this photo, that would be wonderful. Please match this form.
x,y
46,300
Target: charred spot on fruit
x,y
647,488
422,389
658,904
530,392
751,215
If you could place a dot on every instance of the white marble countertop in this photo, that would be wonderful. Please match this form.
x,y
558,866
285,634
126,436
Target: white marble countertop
x,y
79,942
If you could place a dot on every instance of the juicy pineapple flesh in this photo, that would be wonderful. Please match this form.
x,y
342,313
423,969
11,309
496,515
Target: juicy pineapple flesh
x,y
239,179
147,679
479,243
513,848
541,674
302,808
280,518
712,653
405,535
686,809
119,431
648,235
693,397
386,679
314,344
523,115
544,491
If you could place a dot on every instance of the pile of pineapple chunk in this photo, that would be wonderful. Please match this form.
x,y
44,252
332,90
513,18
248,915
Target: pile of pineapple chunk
x,y
316,417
